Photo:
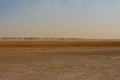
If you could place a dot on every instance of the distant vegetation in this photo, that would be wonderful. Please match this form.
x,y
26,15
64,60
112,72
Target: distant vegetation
x,y
36,38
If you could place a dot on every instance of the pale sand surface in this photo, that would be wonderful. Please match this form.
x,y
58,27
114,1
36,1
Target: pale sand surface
x,y
60,64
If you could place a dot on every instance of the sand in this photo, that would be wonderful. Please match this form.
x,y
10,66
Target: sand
x,y
60,65
26,63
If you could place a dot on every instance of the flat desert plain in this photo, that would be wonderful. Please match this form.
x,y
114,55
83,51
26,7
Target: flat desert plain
x,y
59,60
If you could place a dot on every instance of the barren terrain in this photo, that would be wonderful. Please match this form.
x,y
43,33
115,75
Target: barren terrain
x,y
59,60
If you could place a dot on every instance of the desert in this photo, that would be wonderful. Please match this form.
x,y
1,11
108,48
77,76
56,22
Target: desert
x,y
59,60
59,39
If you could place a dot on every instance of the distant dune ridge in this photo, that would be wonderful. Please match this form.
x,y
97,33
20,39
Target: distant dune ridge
x,y
29,42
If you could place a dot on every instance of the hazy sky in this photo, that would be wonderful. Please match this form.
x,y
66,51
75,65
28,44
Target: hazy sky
x,y
60,18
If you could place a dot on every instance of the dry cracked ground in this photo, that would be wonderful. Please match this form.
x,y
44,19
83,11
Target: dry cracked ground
x,y
86,64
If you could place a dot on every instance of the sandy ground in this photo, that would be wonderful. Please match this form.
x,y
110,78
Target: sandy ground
x,y
60,64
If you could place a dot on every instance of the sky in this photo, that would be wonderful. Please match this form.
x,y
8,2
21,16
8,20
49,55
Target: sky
x,y
98,19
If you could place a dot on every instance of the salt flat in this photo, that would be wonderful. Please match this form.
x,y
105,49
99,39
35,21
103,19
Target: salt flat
x,y
79,64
